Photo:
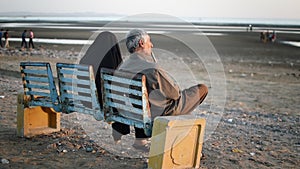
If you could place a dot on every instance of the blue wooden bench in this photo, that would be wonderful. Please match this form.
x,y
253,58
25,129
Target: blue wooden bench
x,y
125,100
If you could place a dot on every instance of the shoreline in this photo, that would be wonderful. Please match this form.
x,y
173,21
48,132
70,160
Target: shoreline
x,y
158,18
227,46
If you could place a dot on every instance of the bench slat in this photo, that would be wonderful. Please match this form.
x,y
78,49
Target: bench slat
x,y
122,89
74,81
79,89
124,99
42,103
36,93
76,97
35,71
38,64
129,108
124,74
72,66
130,82
36,86
36,79
74,72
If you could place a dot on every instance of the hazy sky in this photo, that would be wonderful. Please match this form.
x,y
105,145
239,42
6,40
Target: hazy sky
x,y
181,8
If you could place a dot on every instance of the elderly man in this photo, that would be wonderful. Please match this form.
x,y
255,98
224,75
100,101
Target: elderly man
x,y
165,97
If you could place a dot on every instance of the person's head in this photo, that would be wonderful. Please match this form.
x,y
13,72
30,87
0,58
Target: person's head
x,y
138,40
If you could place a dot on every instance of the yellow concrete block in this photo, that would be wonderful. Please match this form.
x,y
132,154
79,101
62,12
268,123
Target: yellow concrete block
x,y
36,120
176,142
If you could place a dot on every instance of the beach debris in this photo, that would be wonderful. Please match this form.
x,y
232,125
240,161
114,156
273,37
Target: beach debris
x,y
89,149
4,161
270,63
236,150
230,70
2,97
230,120
52,146
252,154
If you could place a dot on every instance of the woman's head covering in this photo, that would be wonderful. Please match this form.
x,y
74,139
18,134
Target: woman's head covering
x,y
104,50
103,53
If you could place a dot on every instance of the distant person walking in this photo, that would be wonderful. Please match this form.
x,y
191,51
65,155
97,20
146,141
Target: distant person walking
x,y
1,35
24,43
31,36
273,36
6,36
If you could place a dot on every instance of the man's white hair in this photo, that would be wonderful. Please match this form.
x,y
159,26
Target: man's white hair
x,y
133,37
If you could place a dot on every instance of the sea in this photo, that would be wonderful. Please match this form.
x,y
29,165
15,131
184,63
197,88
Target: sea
x,y
158,25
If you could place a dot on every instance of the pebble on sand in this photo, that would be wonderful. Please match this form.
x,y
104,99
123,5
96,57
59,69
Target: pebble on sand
x,y
4,161
230,120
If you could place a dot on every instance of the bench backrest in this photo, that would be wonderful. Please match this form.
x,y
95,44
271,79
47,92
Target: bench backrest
x,y
125,99
39,85
124,95
77,89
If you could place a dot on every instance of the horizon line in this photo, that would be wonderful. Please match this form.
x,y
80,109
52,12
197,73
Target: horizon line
x,y
99,14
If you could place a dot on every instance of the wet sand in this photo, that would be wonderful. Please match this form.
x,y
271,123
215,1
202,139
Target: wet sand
x,y
259,127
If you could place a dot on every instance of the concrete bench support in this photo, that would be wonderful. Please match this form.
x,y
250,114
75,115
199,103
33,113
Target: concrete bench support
x,y
36,120
176,142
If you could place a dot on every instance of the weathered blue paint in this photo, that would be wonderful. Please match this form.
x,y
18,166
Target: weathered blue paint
x,y
121,91
74,79
38,83
128,94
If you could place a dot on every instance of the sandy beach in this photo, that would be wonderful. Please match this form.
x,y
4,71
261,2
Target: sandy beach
x,y
259,127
